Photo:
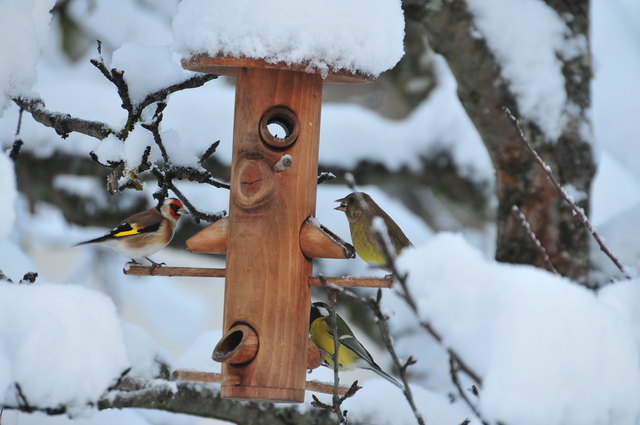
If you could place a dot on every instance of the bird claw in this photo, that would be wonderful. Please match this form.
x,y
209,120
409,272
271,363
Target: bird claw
x,y
155,265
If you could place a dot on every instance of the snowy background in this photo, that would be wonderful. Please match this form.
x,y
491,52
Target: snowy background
x,y
548,350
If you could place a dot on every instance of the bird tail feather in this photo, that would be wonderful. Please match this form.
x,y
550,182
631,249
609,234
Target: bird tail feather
x,y
386,376
96,240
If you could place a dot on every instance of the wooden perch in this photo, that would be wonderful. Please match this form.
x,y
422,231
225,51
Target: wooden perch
x,y
193,375
174,271
348,282
314,356
355,282
212,239
212,377
316,241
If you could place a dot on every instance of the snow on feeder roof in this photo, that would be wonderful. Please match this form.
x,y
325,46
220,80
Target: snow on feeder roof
x,y
330,37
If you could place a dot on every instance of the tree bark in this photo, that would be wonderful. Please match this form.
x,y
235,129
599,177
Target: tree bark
x,y
483,92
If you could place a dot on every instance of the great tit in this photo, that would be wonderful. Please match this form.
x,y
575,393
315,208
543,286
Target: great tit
x,y
351,353
360,210
144,233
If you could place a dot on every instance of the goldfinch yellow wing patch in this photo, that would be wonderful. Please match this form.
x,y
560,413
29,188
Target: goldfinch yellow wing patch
x,y
127,229
133,231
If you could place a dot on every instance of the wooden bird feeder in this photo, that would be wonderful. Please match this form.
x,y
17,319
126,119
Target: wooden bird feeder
x,y
270,236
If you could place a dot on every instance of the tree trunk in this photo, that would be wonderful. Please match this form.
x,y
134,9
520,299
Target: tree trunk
x,y
483,92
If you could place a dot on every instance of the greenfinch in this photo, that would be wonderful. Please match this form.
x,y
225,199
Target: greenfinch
x,y
360,210
351,353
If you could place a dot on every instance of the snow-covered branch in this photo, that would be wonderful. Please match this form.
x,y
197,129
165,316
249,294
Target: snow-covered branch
x,y
193,399
62,123
134,110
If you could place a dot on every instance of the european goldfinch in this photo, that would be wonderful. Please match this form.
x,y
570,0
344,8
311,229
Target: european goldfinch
x,y
144,233
351,353
360,210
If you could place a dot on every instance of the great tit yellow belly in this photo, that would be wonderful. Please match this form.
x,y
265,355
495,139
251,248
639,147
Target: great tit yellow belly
x,y
351,353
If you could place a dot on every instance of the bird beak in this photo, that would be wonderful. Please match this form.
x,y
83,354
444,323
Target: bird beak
x,y
342,207
182,211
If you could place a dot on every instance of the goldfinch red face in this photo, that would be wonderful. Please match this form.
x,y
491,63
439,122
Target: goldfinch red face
x,y
172,209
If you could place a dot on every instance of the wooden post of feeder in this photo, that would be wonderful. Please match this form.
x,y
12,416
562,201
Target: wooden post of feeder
x,y
267,293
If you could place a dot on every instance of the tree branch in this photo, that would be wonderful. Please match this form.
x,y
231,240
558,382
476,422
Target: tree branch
x,y
63,124
194,398
517,212
563,194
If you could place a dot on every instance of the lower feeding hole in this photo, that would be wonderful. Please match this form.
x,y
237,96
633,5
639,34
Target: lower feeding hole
x,y
225,348
238,346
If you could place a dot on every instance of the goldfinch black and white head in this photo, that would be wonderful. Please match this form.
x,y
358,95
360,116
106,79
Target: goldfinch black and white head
x,y
144,233
351,353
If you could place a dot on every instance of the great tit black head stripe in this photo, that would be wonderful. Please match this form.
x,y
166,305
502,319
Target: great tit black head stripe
x,y
318,310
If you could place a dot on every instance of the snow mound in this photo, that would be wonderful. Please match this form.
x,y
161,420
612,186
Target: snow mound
x,y
358,36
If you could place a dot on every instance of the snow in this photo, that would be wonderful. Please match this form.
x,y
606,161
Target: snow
x,y
116,22
436,408
357,36
439,124
143,353
8,193
616,86
527,36
547,349
18,74
147,69
62,344
198,355
105,417
620,235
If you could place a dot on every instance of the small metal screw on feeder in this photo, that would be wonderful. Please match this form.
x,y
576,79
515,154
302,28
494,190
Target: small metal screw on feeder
x,y
270,236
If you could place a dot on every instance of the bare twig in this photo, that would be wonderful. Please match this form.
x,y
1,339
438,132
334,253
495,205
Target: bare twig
x,y
405,293
144,163
382,320
337,400
333,323
453,372
519,215
17,143
134,111
325,176
4,277
154,128
210,150
165,182
374,306
15,149
577,210
29,277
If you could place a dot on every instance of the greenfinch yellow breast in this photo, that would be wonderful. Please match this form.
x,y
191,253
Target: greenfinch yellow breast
x,y
360,210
